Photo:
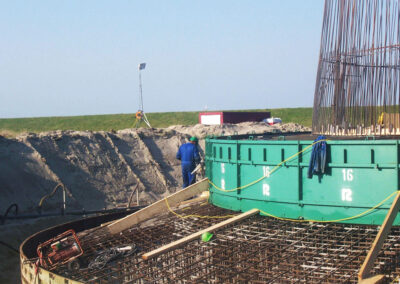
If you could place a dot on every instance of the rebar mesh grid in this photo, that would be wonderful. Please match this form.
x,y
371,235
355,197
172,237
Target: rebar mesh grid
x,y
256,250
357,89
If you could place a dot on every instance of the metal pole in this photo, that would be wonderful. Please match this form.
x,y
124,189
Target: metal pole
x,y
141,107
140,91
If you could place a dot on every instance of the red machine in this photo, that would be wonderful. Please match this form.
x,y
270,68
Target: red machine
x,y
59,250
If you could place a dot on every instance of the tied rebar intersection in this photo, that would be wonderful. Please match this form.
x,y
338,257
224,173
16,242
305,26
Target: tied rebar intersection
x,y
256,250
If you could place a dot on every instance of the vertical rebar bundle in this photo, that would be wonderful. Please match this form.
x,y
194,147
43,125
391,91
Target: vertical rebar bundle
x,y
357,88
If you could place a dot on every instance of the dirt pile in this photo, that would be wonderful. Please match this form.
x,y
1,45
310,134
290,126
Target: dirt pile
x,y
100,169
202,131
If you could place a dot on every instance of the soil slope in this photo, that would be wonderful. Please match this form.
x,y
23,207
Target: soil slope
x,y
101,169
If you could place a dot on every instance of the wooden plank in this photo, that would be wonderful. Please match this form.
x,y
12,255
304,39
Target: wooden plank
x,y
373,280
196,235
380,239
158,207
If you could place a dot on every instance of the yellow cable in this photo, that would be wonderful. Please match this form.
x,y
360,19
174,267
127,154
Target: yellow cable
x,y
272,171
285,219
333,221
271,215
51,194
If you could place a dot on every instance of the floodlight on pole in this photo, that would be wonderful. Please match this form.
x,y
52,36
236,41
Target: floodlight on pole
x,y
140,115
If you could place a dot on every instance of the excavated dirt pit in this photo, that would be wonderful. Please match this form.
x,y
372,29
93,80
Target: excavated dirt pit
x,y
99,169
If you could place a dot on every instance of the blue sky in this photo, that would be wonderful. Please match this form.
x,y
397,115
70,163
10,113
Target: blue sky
x,y
61,58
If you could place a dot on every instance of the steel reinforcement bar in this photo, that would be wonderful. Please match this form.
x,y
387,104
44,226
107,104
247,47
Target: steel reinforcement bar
x,y
255,250
357,88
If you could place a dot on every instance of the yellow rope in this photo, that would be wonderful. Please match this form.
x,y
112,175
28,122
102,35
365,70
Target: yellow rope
x,y
272,171
285,219
333,221
195,215
271,215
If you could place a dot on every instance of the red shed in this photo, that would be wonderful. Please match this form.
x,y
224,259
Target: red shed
x,y
221,117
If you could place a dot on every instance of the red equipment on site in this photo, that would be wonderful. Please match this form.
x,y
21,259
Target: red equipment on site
x,y
59,250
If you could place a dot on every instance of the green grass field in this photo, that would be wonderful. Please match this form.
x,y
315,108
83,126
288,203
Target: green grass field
x,y
13,126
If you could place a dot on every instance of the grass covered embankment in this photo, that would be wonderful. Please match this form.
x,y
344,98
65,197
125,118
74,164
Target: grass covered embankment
x,y
108,122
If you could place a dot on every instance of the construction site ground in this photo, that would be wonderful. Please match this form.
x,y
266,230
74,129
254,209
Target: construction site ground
x,y
99,170
257,249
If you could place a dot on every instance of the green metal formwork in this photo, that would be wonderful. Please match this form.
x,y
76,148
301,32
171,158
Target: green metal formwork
x,y
359,175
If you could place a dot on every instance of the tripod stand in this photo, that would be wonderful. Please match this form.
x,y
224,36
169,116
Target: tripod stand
x,y
140,115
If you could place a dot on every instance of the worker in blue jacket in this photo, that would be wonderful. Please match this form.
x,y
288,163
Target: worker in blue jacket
x,y
189,156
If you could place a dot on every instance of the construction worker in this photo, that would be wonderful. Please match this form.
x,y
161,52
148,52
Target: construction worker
x,y
189,156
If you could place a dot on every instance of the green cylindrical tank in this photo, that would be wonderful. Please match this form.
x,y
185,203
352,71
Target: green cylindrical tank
x,y
269,172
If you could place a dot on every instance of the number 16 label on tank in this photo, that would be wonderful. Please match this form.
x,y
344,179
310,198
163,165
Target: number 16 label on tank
x,y
347,193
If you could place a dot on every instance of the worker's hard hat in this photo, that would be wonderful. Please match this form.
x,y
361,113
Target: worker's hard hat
x,y
194,139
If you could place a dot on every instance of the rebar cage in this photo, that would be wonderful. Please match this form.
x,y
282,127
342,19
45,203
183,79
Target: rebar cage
x,y
258,249
357,87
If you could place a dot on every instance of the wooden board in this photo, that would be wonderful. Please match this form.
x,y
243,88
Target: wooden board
x,y
373,280
158,207
196,235
380,239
